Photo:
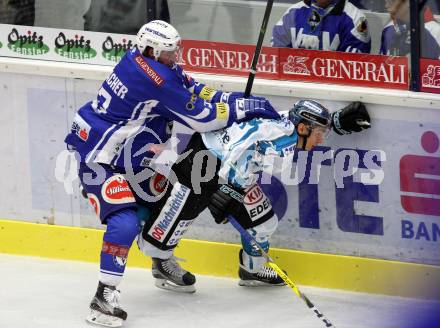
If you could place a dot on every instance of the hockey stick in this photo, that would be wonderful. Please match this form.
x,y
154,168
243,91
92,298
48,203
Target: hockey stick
x,y
270,262
253,69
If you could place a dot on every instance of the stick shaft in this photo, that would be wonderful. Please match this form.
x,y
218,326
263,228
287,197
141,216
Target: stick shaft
x,y
253,70
270,262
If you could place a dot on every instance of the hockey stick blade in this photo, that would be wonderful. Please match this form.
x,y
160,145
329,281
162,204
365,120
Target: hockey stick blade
x,y
270,262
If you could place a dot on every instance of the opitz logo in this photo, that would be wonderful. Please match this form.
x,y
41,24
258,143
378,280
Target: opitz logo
x,y
30,44
74,48
113,51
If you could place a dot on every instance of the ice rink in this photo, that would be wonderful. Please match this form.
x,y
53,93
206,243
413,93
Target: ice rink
x,y
38,292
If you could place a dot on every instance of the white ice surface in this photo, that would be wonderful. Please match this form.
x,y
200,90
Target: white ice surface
x,y
45,293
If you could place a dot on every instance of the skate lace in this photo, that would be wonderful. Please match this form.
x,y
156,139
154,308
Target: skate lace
x,y
172,267
112,296
267,272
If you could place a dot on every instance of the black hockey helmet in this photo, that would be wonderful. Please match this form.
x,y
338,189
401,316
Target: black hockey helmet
x,y
310,112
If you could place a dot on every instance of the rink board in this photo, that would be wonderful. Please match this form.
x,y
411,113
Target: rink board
x,y
380,220
220,259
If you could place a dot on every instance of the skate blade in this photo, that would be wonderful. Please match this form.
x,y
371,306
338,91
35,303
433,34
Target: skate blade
x,y
167,285
100,319
257,283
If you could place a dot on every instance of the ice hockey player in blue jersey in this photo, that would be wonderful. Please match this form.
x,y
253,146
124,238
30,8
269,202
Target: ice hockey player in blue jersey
x,y
135,106
396,35
333,25
232,157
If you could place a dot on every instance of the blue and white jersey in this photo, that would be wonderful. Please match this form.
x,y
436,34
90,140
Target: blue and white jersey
x,y
243,147
339,27
136,105
396,39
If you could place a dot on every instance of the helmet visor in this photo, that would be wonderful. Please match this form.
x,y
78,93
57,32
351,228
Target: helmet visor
x,y
170,57
321,132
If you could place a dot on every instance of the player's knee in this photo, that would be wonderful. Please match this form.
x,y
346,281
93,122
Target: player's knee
x,y
261,233
123,226
267,228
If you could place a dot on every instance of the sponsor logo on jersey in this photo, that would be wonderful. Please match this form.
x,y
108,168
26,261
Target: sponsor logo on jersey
x,y
314,20
207,93
158,184
174,205
30,44
256,203
151,73
74,48
113,51
231,192
258,210
178,233
225,137
188,78
116,190
191,104
300,39
94,201
222,111
253,195
81,128
362,26
145,162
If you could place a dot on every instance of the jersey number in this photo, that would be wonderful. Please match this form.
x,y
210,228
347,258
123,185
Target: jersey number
x,y
103,103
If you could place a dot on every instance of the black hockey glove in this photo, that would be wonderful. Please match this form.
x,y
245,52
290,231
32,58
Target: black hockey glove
x,y
222,201
353,118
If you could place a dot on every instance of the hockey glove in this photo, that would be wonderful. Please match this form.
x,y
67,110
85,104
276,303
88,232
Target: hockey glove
x,y
222,201
249,108
353,118
229,97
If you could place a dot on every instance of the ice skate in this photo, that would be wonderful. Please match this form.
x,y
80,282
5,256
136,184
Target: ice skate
x,y
105,309
171,276
265,276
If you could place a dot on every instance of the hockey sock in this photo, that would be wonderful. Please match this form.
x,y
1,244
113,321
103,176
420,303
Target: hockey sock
x,y
251,259
122,228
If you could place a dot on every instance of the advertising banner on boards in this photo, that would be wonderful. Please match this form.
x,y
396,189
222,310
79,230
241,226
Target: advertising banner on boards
x,y
86,47
388,208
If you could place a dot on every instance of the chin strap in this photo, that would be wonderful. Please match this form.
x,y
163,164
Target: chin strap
x,y
305,137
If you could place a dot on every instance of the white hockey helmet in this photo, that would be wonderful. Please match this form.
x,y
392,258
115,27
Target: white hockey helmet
x,y
158,35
